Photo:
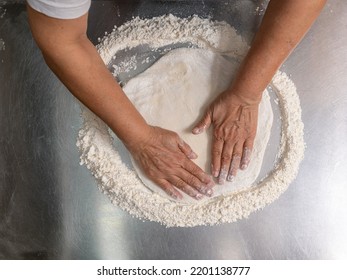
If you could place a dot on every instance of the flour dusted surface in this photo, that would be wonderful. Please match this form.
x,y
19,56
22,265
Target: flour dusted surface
x,y
122,184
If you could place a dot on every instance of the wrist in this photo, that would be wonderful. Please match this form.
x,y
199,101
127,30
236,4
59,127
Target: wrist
x,y
247,97
138,138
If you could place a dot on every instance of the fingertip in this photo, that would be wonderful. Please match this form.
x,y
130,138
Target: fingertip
x,y
230,178
170,189
209,192
176,195
193,155
243,166
179,196
221,181
214,172
222,176
197,130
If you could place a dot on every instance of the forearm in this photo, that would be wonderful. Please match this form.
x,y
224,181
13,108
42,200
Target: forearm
x,y
81,69
74,59
284,24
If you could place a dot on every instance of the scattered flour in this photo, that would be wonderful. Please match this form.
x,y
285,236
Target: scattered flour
x,y
2,45
122,185
2,12
126,65
165,30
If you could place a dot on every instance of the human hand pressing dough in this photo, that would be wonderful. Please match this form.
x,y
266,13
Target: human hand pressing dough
x,y
234,119
166,159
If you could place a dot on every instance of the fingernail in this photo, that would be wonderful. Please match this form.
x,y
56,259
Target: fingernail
x,y
193,155
206,190
213,171
244,166
197,130
209,192
199,196
230,178
222,176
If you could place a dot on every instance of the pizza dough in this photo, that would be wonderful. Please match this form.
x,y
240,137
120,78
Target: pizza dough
x,y
174,93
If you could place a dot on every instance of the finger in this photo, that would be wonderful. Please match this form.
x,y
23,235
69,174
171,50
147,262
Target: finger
x,y
183,186
246,153
235,161
197,172
194,182
203,124
225,161
169,189
187,150
217,148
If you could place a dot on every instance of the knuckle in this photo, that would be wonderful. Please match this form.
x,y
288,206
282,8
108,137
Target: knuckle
x,y
182,160
226,157
157,161
237,156
217,152
193,169
218,134
192,181
180,184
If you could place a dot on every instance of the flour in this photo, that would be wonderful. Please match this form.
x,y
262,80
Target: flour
x,y
125,66
122,185
2,12
165,30
2,45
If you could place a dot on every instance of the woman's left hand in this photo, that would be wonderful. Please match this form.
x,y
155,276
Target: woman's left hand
x,y
234,119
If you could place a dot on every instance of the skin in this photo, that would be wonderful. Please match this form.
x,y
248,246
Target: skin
x,y
234,113
162,154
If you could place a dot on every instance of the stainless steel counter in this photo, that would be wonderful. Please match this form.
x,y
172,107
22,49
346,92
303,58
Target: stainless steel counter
x,y
50,207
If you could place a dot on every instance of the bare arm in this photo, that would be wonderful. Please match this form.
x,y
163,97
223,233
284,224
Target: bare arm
x,y
73,58
284,25
234,113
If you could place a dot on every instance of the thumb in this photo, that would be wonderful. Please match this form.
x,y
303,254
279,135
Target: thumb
x,y
203,124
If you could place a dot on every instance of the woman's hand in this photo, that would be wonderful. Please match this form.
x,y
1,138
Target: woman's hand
x,y
234,119
166,160
234,113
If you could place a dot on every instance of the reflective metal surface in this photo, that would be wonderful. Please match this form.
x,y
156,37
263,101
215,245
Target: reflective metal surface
x,y
50,207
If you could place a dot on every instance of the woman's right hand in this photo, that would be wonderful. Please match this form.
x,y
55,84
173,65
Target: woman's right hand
x,y
166,160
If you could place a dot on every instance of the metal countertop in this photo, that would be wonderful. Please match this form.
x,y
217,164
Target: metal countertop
x,y
51,208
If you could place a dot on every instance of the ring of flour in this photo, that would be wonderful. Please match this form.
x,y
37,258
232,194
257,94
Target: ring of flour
x,y
122,185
